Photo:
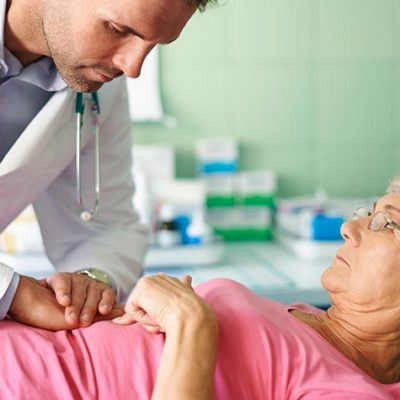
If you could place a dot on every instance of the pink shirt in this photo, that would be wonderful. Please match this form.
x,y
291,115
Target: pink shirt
x,y
264,354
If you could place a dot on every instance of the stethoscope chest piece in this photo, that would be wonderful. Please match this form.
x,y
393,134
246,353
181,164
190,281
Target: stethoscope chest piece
x,y
86,216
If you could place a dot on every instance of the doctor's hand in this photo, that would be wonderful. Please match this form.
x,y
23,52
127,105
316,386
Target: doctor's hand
x,y
34,304
82,297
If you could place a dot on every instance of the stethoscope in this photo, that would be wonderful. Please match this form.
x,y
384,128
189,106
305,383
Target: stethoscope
x,y
87,214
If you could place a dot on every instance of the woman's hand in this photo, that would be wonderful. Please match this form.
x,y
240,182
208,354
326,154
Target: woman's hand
x,y
162,303
159,301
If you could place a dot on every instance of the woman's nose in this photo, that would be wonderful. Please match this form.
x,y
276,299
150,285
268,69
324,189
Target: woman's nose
x,y
130,58
351,232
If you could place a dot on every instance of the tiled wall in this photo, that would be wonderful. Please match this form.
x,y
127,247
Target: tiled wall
x,y
311,88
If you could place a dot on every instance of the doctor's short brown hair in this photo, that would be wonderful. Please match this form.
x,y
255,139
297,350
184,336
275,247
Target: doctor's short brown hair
x,y
202,4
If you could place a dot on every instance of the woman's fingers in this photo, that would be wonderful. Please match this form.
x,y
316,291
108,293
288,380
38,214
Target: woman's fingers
x,y
126,319
156,301
140,316
152,328
187,280
117,311
147,323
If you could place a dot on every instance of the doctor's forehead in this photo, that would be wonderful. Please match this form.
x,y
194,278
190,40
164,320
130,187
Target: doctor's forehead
x,y
171,12
171,5
154,20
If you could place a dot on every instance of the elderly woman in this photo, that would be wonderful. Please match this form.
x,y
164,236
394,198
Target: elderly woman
x,y
224,341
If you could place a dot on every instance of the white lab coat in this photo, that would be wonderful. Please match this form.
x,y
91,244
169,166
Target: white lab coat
x,y
40,169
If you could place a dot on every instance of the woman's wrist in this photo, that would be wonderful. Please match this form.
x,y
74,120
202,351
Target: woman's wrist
x,y
188,362
191,317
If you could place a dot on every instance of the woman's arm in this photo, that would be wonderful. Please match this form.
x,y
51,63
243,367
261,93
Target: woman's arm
x,y
166,304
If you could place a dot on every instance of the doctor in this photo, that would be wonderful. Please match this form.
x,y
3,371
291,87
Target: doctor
x,y
49,50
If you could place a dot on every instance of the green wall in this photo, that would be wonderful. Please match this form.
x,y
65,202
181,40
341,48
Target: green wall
x,y
310,88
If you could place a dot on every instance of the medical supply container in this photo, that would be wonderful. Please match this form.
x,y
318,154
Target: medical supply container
x,y
217,155
242,223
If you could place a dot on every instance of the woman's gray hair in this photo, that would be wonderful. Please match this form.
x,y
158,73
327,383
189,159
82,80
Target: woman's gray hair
x,y
394,186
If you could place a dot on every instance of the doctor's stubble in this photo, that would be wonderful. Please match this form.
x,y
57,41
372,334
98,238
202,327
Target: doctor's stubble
x,y
59,29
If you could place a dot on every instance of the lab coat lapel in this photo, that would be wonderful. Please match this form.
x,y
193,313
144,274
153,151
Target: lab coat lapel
x,y
32,150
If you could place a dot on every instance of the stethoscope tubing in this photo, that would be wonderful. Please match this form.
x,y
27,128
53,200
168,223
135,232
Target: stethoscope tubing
x,y
86,214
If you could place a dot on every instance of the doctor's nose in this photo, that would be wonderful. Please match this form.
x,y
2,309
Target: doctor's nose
x,y
131,58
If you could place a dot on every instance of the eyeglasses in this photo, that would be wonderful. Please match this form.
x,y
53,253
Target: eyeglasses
x,y
380,220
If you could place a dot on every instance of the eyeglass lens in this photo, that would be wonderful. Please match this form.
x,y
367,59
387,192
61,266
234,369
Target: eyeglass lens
x,y
378,221
361,212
